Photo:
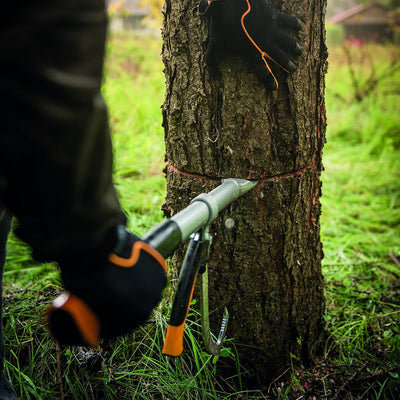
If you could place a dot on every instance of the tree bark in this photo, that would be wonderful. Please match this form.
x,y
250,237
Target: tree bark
x,y
267,269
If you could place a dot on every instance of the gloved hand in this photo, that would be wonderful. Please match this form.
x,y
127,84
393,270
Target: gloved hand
x,y
109,298
253,30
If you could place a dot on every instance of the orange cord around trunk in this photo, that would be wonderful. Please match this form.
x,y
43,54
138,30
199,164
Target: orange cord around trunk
x,y
264,55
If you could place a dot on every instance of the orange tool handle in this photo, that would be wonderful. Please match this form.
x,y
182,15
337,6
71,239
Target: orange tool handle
x,y
173,343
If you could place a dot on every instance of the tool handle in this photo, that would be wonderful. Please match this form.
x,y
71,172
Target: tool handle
x,y
173,344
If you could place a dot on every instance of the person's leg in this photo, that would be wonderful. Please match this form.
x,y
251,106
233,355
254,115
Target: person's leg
x,y
55,147
6,390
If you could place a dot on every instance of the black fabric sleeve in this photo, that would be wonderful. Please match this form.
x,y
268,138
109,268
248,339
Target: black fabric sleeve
x,y
55,148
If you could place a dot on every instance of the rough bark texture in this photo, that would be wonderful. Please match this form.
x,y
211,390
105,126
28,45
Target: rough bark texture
x,y
267,270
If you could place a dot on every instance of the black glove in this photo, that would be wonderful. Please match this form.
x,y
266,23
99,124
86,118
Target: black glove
x,y
264,26
108,298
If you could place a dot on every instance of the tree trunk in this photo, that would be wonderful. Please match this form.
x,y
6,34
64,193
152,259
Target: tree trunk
x,y
267,269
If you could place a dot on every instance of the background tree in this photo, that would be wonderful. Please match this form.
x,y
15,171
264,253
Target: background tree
x,y
267,269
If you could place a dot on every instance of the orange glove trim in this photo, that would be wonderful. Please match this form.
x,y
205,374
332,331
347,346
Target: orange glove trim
x,y
263,54
85,319
132,260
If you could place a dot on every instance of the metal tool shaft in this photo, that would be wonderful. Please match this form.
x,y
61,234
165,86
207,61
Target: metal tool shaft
x,y
202,210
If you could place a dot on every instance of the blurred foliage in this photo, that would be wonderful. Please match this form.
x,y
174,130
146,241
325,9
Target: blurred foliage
x,y
117,8
155,17
334,34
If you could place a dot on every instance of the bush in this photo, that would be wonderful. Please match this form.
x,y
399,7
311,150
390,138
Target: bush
x,y
334,34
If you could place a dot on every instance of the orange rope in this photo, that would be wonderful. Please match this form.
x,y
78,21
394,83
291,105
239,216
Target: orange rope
x,y
264,55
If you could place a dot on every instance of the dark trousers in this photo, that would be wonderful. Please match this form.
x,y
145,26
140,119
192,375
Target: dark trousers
x,y
6,390
55,148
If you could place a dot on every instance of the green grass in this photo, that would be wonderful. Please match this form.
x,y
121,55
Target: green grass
x,y
360,225
134,90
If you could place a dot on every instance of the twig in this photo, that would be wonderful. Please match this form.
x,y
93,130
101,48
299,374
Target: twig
x,y
277,379
356,264
353,74
394,258
348,382
59,376
376,376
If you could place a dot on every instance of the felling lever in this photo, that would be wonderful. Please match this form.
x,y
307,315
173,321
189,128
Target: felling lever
x,y
193,221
